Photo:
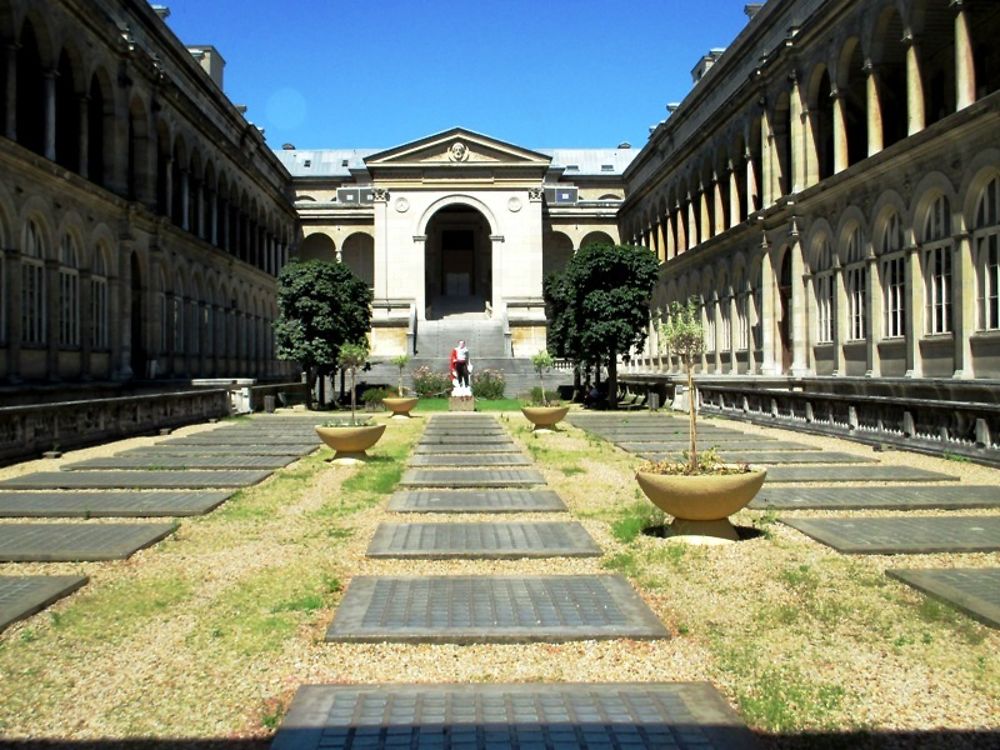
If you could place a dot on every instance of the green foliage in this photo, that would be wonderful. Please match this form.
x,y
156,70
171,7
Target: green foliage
x,y
488,384
598,307
428,383
351,357
636,519
401,362
683,331
372,397
542,361
321,307
548,398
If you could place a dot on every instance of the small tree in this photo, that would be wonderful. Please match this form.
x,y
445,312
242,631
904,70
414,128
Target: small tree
x,y
542,361
353,356
685,336
321,306
401,361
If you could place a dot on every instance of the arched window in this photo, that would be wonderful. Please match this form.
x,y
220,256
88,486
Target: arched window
x,y
33,323
893,267
725,318
856,272
986,240
757,330
823,287
937,265
99,299
178,316
709,305
69,293
741,292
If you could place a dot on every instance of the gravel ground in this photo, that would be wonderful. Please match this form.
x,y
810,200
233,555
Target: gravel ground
x,y
208,634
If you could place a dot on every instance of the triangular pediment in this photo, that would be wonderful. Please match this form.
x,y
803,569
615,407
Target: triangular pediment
x,y
455,148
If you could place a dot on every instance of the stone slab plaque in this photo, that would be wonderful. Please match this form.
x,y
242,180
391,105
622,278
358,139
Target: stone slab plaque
x,y
773,457
882,473
167,463
23,596
476,501
975,591
456,478
108,504
77,542
133,480
474,459
881,498
482,541
891,536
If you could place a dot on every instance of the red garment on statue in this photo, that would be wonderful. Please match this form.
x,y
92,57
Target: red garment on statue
x,y
454,359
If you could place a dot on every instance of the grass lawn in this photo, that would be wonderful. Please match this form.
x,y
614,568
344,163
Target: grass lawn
x,y
441,404
209,633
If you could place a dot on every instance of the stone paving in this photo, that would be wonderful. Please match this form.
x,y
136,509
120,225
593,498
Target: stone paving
x,y
881,473
476,501
961,497
466,440
463,448
108,504
23,596
133,480
482,541
678,716
471,460
290,450
165,463
471,478
66,542
889,536
730,443
975,591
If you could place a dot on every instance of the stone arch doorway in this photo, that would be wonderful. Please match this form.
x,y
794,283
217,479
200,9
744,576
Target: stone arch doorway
x,y
458,262
785,312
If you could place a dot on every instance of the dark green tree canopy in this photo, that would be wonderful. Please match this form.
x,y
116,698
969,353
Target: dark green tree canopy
x,y
321,307
599,306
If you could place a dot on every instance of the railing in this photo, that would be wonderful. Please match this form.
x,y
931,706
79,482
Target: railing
x,y
285,393
969,429
28,431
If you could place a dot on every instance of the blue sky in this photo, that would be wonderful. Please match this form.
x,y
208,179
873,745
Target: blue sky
x,y
377,73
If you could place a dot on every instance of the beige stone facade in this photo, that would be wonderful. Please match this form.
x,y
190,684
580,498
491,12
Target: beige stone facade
x,y
829,192
455,223
142,217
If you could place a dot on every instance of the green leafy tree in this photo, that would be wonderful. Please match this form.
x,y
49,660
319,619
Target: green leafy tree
x,y
542,362
685,336
321,307
598,307
401,361
350,358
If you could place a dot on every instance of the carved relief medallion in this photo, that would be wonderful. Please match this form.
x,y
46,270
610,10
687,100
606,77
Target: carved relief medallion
x,y
458,152
402,205
514,204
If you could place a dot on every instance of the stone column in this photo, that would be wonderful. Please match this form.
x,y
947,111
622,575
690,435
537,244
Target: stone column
x,y
797,134
120,317
381,248
734,320
753,189
965,67
213,220
963,303
49,94
874,313
874,109
168,187
682,243
719,212
670,248
840,322
705,232
766,162
840,152
916,113
185,200
10,124
810,327
914,319
693,236
662,239
734,196
84,118
767,313
420,250
12,267
810,168
799,323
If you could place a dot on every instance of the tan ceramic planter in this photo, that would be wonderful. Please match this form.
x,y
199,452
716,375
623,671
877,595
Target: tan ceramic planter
x,y
701,505
400,406
350,442
544,417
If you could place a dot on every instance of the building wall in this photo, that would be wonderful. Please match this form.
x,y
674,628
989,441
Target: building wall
x,y
828,194
142,218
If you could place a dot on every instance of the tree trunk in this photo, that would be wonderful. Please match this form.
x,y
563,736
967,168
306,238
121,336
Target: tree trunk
x,y
310,384
613,381
577,393
541,379
320,378
692,416
354,393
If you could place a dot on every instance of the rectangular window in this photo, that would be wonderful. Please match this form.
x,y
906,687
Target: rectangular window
x,y
989,270
710,328
69,309
741,322
857,300
824,308
727,331
894,286
33,303
99,313
939,289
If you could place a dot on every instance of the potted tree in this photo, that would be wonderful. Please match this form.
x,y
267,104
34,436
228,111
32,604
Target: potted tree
x,y
400,405
351,439
700,492
541,413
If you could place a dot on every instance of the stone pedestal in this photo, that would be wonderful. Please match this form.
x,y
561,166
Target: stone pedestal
x,y
461,403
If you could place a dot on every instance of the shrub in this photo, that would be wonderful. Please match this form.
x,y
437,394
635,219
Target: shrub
x,y
488,384
429,384
551,397
372,397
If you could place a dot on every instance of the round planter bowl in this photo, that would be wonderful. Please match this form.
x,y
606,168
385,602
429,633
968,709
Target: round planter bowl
x,y
350,443
701,505
400,406
544,417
